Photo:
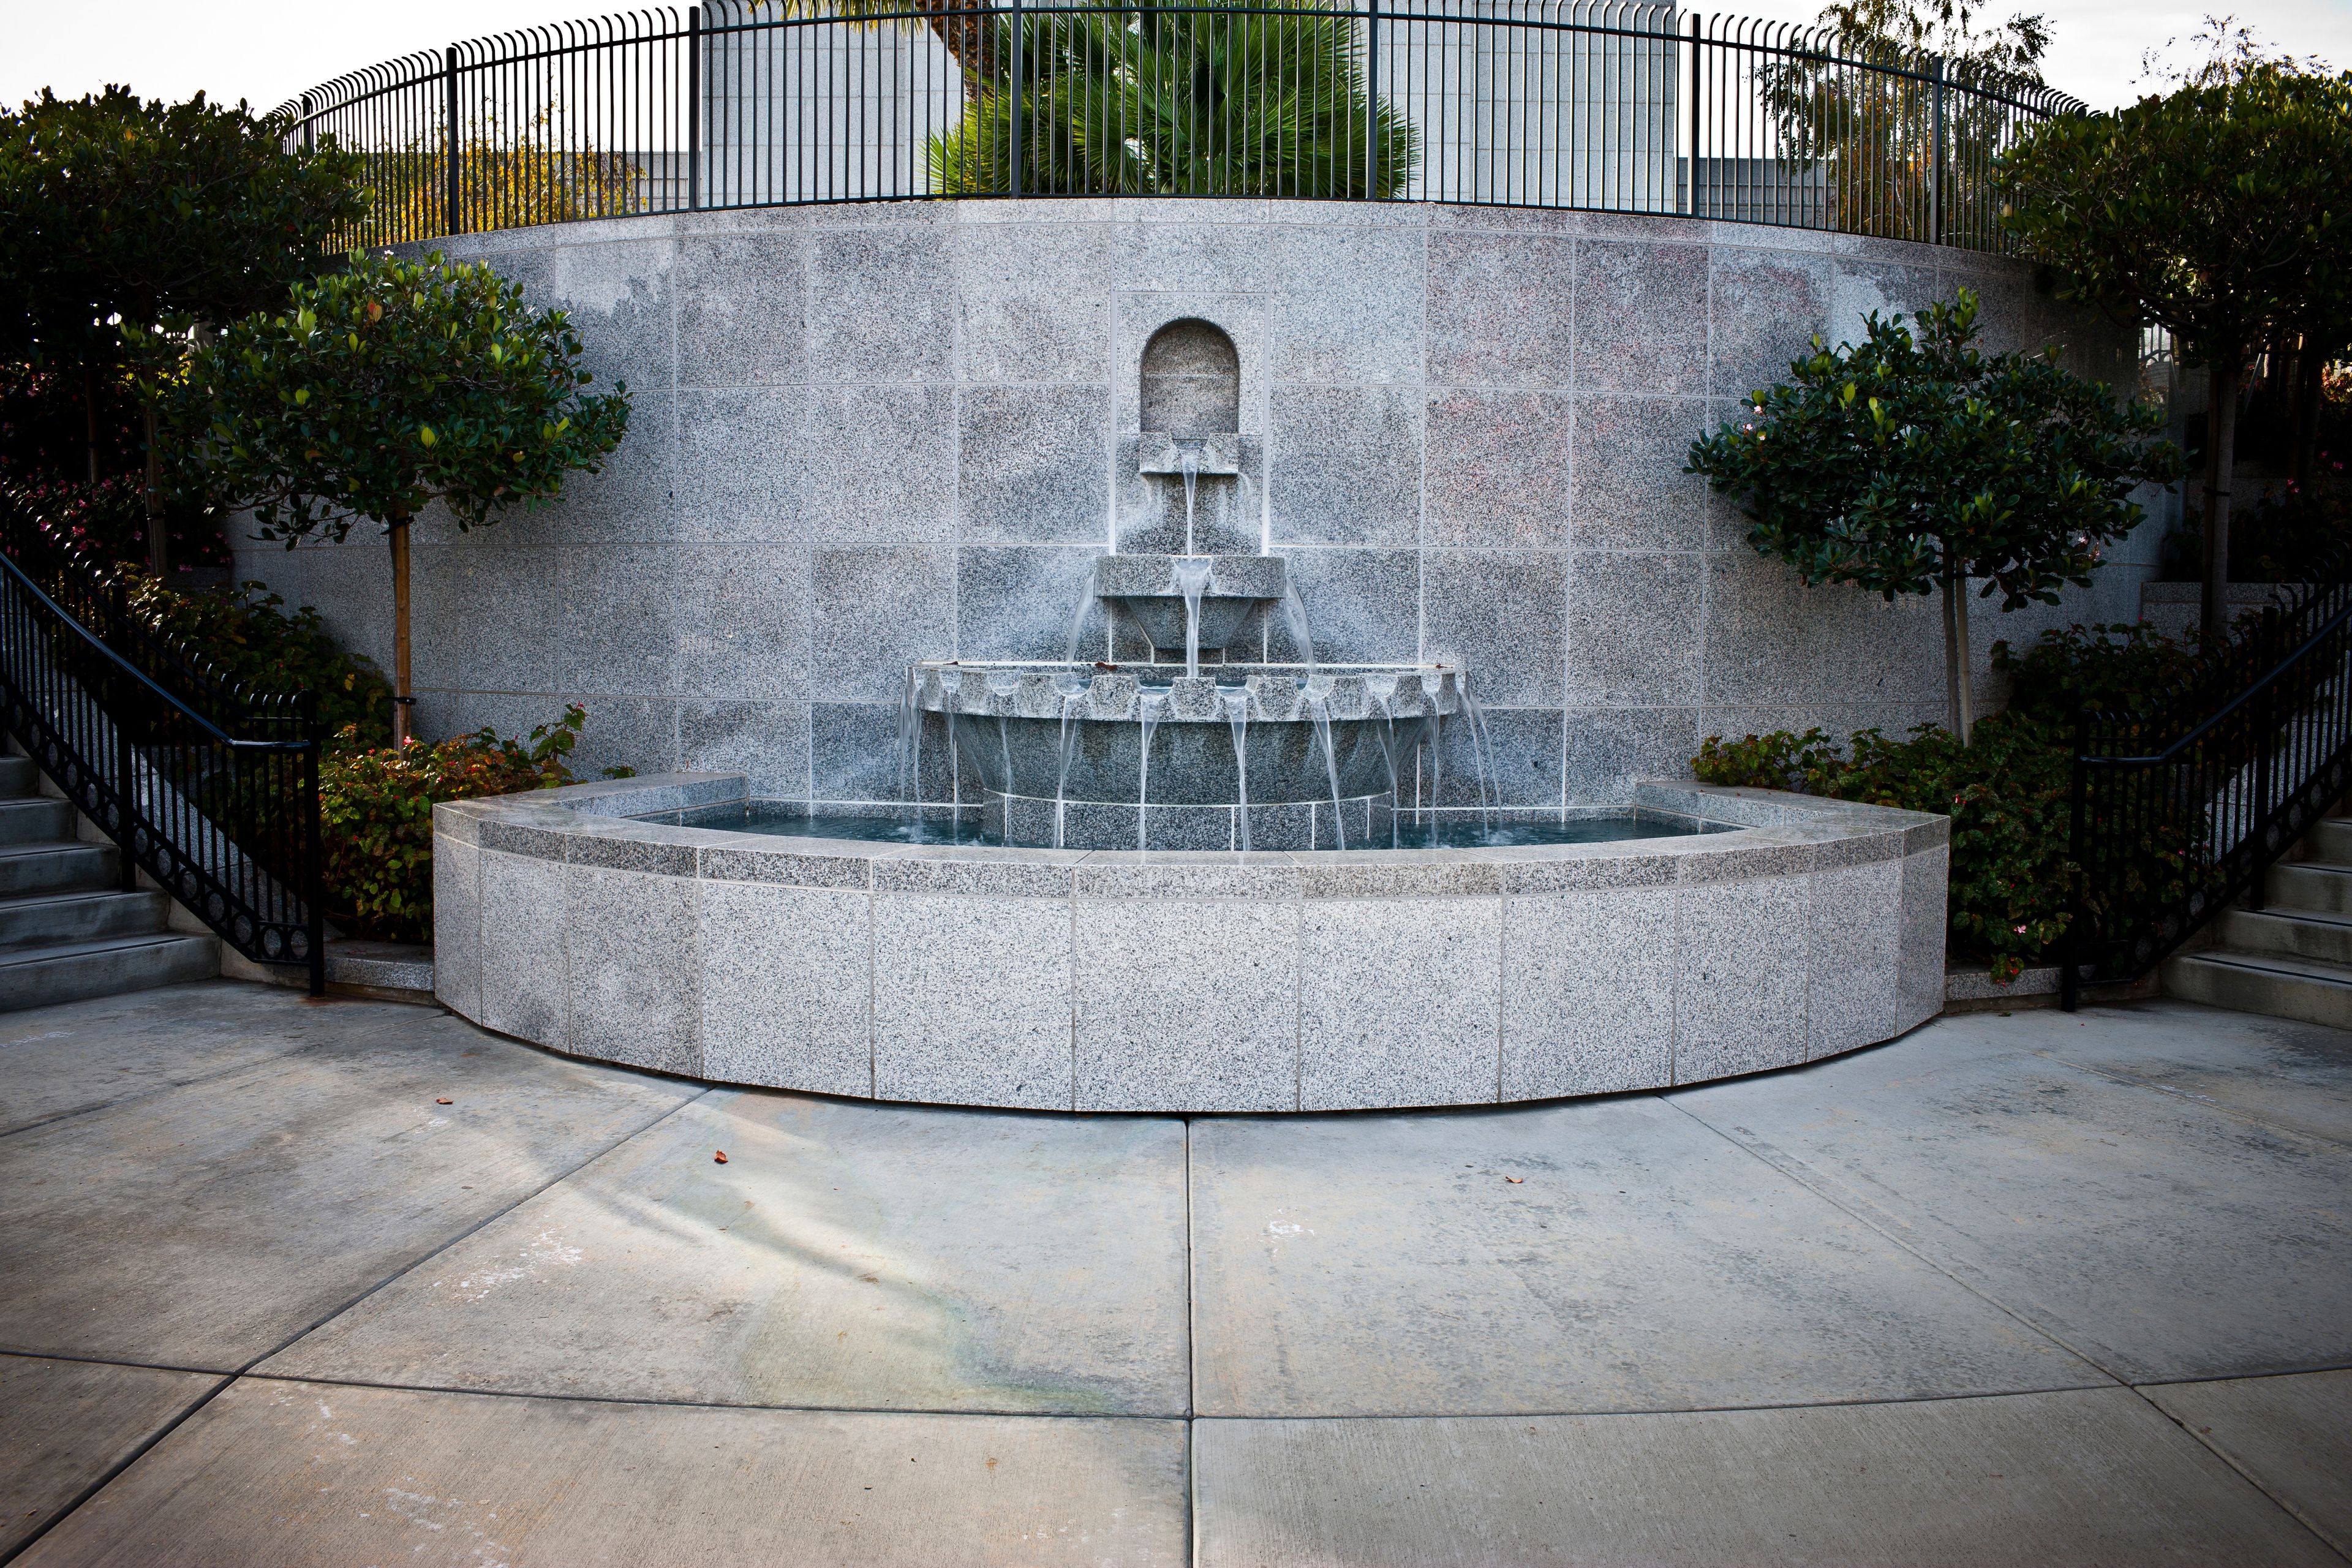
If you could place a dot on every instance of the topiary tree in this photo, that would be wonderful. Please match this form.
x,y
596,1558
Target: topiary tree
x,y
119,209
2217,211
383,390
1914,462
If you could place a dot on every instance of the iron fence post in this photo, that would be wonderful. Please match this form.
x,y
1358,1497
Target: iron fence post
x,y
1371,98
2262,729
306,139
1695,48
693,109
314,871
126,833
1935,163
449,139
2070,969
1013,167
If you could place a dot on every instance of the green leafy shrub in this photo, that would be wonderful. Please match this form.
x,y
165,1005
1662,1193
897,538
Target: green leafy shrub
x,y
247,636
2006,792
2119,668
377,809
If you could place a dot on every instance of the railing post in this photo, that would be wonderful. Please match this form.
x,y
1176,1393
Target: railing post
x,y
1936,164
2070,970
693,109
449,140
314,875
2261,728
308,141
126,815
1013,168
1697,38
1372,99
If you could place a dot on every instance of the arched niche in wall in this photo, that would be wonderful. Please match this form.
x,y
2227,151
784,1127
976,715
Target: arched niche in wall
x,y
1192,381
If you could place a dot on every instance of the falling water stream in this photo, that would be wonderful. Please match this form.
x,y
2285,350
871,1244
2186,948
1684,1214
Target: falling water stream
x,y
1191,462
1152,710
1193,581
1318,708
1237,715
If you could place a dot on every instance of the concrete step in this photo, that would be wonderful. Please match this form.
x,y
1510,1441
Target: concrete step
x,y
2268,983
2330,839
2288,933
40,976
19,777
57,866
34,820
2309,885
82,917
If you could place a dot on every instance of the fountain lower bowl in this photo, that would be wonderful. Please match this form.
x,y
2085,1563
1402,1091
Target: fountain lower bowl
x,y
1256,756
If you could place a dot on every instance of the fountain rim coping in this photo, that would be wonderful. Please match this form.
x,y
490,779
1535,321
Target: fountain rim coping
x,y
1769,833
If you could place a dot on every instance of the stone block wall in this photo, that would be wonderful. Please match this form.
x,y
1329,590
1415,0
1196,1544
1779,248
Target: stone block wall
x,y
868,435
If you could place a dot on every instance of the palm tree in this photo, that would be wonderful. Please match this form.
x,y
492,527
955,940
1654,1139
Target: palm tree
x,y
1220,100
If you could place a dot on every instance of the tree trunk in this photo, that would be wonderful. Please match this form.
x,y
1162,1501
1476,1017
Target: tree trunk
x,y
1957,680
2221,457
967,32
158,551
397,529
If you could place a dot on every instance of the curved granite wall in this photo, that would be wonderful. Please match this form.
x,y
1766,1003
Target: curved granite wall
x,y
1116,980
869,434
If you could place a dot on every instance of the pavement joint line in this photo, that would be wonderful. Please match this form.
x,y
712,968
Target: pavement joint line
x,y
142,1450
1191,1364
1163,1417
2344,1366
2203,1441
1796,1170
84,1359
2249,1118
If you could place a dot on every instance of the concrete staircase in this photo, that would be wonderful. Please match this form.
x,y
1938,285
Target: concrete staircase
x,y
2293,958
67,929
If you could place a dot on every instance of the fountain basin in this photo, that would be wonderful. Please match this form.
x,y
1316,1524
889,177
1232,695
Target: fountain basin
x,y
1150,590
1121,980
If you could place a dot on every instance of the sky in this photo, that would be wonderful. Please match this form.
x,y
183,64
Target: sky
x,y
268,51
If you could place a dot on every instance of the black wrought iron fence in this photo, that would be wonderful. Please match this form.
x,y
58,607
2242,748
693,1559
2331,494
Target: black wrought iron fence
x,y
1612,106
210,789
2179,811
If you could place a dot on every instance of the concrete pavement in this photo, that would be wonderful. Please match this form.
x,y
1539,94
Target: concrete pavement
x,y
2029,1290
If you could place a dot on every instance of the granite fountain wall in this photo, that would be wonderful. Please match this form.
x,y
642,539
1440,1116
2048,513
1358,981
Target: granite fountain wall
x,y
866,435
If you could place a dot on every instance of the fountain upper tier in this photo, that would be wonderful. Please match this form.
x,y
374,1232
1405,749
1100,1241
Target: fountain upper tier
x,y
1281,694
1213,593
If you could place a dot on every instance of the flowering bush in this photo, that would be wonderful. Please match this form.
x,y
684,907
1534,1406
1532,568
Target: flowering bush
x,y
376,811
247,634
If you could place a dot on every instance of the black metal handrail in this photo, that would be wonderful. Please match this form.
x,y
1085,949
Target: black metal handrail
x,y
226,822
1604,105
2164,836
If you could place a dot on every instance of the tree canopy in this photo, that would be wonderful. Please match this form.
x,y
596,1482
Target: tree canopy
x,y
1913,461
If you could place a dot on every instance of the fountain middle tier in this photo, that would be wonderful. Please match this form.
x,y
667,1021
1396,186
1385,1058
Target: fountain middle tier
x,y
1256,756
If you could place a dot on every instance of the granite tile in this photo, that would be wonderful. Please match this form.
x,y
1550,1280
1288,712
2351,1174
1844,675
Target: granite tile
x,y
1635,623
526,988
1022,601
620,630
630,496
618,294
1513,758
454,644
1398,1001
1588,992
1771,641
768,742
1640,317
1501,616
855,754
1032,464
875,610
1186,1003
1499,309
743,620
634,968
1363,607
456,933
1345,465
1630,491
1034,303
743,464
1496,468
881,306
972,1000
786,986
1926,876
877,465
1349,312
1765,310
1855,932
740,300
1740,985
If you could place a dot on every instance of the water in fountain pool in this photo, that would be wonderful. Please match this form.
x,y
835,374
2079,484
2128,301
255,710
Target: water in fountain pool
x,y
790,819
